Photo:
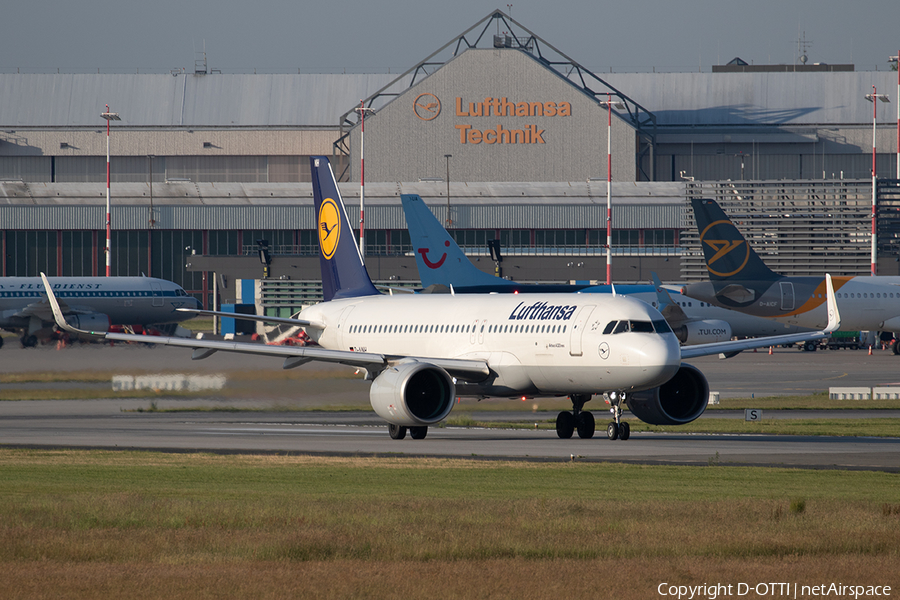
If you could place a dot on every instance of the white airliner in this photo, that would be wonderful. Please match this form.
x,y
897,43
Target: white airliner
x,y
423,351
93,303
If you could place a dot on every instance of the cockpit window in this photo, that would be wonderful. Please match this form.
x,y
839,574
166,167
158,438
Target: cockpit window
x,y
642,326
621,327
614,327
661,326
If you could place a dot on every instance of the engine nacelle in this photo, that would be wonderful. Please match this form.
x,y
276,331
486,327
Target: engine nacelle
x,y
706,331
94,322
412,394
676,402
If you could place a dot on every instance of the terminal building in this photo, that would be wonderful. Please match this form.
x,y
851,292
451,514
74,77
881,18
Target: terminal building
x,y
503,135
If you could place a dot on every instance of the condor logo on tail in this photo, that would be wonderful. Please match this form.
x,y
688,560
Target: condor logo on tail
x,y
329,227
724,250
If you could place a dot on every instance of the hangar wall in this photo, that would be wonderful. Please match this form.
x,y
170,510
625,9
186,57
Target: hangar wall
x,y
502,116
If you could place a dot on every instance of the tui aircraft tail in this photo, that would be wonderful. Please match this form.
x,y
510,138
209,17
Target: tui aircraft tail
x,y
343,273
728,255
439,259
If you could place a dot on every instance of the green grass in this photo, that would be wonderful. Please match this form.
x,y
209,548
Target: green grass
x,y
84,524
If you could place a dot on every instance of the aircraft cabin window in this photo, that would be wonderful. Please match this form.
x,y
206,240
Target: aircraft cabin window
x,y
609,328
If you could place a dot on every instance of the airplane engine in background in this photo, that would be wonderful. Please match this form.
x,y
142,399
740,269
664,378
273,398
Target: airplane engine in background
x,y
678,401
412,394
95,322
707,331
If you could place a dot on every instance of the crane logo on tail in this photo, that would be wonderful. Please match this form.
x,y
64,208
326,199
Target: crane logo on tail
x,y
329,227
731,264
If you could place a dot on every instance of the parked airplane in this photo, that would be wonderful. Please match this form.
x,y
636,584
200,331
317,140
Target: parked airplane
x,y
739,280
422,351
441,261
92,303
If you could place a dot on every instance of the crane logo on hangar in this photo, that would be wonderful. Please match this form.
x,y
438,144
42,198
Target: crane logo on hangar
x,y
427,106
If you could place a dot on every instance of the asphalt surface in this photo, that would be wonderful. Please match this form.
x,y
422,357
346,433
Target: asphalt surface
x,y
118,423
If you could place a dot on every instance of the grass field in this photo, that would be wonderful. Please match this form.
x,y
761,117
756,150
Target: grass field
x,y
87,524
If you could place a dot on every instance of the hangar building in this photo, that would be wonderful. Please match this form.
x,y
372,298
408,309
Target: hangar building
x,y
501,133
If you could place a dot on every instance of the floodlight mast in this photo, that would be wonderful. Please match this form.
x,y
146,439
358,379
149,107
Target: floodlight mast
x,y
874,97
109,116
362,110
896,61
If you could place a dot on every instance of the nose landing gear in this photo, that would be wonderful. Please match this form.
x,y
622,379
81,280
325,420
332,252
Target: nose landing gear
x,y
617,429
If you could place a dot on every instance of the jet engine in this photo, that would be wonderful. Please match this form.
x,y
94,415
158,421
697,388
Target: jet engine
x,y
676,402
412,394
706,331
95,322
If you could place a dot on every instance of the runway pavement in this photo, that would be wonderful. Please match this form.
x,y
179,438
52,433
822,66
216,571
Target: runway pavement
x,y
111,424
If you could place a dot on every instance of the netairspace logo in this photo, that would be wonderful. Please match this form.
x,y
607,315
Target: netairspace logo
x,y
772,590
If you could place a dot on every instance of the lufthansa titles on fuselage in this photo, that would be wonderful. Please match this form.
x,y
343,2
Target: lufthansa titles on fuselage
x,y
541,311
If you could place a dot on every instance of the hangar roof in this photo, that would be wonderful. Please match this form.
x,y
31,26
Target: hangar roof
x,y
318,100
182,100
757,99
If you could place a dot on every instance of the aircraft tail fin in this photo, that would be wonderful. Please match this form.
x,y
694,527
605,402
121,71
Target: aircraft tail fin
x,y
344,274
727,254
439,259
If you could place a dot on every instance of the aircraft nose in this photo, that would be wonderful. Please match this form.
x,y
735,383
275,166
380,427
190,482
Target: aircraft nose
x,y
660,357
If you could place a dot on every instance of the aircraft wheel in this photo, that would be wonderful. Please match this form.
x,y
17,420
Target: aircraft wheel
x,y
624,431
585,425
1,342
565,425
398,432
29,341
895,347
612,431
418,433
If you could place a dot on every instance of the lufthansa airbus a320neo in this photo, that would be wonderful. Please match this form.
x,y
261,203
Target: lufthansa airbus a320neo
x,y
422,351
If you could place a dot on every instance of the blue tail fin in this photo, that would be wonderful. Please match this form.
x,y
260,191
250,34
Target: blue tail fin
x,y
439,259
728,255
343,273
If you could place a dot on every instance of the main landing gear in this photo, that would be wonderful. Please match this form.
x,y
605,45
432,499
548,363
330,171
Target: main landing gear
x,y
617,429
398,432
582,421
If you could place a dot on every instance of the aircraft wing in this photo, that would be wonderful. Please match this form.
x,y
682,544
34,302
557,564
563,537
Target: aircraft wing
x,y
245,317
466,369
735,346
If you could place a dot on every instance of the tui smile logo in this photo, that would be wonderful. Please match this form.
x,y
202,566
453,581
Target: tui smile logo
x,y
428,263
329,227
729,257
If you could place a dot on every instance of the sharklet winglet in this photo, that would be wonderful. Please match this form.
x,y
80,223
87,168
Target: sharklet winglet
x,y
834,315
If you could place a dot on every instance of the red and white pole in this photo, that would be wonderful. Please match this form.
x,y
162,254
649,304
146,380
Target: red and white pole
x,y
362,179
108,233
874,181
109,116
608,189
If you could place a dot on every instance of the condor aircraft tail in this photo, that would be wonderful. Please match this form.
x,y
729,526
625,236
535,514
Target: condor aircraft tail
x,y
728,255
343,273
